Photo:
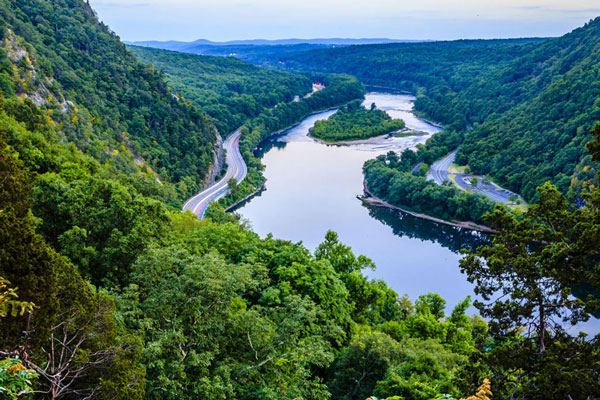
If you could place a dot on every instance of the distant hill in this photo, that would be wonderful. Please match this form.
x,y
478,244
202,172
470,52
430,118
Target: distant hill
x,y
256,51
179,45
229,90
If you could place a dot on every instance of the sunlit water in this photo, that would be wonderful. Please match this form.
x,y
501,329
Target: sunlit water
x,y
312,187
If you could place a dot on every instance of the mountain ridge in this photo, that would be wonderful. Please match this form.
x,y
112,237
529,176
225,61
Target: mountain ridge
x,y
270,42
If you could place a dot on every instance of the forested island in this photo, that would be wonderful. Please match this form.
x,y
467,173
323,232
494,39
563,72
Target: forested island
x,y
108,291
355,122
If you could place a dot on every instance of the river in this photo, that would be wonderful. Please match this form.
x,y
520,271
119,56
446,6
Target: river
x,y
312,187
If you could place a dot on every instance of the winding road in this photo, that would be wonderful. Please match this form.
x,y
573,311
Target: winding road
x,y
439,174
439,169
236,168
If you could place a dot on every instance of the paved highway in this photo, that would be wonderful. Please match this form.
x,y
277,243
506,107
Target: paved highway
x,y
439,173
236,168
439,169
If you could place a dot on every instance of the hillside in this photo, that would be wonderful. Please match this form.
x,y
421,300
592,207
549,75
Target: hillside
x,y
109,103
410,66
230,91
531,104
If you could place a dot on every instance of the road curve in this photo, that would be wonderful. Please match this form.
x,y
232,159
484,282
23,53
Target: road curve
x,y
236,168
439,174
439,169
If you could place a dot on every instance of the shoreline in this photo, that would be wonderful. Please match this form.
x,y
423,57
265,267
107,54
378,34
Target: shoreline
x,y
259,190
371,140
282,131
372,200
429,122
400,91
263,187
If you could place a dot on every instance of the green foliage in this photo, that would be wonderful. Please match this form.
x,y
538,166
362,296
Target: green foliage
x,y
354,122
102,98
538,265
25,260
99,224
15,379
227,324
66,306
426,370
363,363
390,179
230,91
8,304
416,355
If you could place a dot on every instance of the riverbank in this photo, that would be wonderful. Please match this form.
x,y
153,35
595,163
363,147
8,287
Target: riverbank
x,y
240,202
390,89
284,130
260,188
372,140
373,200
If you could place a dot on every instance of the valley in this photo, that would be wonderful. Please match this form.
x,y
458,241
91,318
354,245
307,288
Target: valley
x,y
280,219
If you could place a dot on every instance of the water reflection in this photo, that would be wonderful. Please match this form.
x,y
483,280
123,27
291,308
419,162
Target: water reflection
x,y
272,142
450,237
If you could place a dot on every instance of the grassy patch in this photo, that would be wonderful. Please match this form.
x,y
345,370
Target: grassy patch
x,y
457,169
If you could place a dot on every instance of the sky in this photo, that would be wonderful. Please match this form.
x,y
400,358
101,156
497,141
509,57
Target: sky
x,y
221,20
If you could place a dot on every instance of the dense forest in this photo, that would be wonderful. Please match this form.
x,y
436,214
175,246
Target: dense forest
x,y
528,105
229,90
109,292
58,56
354,122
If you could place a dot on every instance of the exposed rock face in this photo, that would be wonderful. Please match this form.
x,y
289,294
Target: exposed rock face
x,y
218,164
33,85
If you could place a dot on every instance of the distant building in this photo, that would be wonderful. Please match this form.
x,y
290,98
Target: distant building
x,y
318,86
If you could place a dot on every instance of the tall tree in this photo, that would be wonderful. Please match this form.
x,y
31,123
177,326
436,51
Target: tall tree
x,y
540,275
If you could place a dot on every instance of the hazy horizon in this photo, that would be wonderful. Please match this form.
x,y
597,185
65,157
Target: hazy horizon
x,y
224,20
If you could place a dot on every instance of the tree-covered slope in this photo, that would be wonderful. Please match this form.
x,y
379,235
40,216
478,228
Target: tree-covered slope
x,y
439,66
543,139
531,104
227,89
78,70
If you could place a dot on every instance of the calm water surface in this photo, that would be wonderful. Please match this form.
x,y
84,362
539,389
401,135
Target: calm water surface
x,y
312,187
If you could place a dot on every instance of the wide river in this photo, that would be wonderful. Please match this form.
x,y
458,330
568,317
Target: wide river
x,y
312,187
